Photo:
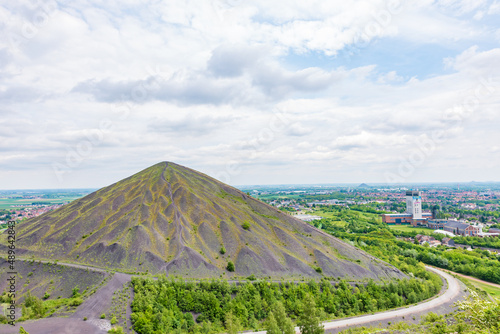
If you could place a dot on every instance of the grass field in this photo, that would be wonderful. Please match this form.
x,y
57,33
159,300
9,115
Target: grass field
x,y
409,228
361,215
7,203
491,290
324,214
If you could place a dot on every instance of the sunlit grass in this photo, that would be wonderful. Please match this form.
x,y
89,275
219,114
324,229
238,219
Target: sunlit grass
x,y
408,228
491,290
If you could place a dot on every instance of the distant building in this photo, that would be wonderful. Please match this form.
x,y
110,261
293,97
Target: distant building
x,y
426,239
461,228
436,224
448,242
434,243
414,204
413,214
397,219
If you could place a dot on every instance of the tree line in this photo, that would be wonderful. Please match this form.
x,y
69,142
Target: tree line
x,y
215,306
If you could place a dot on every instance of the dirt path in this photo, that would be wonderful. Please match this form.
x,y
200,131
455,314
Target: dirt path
x,y
473,278
100,301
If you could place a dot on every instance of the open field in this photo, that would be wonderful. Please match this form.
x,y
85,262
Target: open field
x,y
491,289
7,203
330,214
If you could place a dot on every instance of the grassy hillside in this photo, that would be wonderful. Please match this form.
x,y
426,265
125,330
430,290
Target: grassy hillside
x,y
174,219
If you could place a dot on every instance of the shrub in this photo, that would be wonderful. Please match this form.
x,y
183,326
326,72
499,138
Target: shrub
x,y
113,321
319,270
230,266
246,225
103,316
46,295
222,250
76,292
116,330
431,317
35,304
75,302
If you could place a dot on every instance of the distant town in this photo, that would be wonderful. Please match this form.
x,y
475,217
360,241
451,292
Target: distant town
x,y
18,205
452,209
471,210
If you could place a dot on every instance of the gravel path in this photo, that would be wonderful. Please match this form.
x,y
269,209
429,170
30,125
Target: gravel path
x,y
474,279
54,326
100,301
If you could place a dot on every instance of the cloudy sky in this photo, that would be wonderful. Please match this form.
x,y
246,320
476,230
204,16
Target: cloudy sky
x,y
249,91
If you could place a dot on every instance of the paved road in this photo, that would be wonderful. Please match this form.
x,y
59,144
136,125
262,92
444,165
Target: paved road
x,y
452,292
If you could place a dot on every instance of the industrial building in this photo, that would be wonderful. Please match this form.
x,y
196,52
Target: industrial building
x,y
416,217
413,214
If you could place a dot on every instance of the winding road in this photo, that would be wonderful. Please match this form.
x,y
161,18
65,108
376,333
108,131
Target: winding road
x,y
448,296
74,325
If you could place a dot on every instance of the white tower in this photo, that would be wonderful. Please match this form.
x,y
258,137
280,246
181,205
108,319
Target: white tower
x,y
414,204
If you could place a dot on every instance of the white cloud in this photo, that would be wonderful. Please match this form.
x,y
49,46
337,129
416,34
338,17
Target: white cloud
x,y
257,83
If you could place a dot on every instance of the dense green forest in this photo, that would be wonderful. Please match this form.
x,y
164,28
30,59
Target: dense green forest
x,y
167,305
488,242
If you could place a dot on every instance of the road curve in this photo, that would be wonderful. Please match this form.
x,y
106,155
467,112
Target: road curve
x,y
452,291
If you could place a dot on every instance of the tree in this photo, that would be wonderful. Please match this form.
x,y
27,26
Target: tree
x,y
232,323
230,266
271,325
309,322
285,324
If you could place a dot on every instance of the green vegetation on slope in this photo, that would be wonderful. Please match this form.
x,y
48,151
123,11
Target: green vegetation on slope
x,y
167,305
488,242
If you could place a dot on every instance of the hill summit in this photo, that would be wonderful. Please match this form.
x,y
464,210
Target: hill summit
x,y
169,218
